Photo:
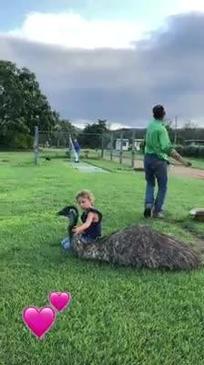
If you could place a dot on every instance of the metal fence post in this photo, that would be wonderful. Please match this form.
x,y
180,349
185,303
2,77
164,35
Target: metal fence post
x,y
111,150
133,148
121,147
36,145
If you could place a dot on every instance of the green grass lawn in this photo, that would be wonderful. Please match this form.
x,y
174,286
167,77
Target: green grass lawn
x,y
118,316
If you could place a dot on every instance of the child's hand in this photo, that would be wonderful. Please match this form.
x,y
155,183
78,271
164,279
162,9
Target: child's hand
x,y
76,230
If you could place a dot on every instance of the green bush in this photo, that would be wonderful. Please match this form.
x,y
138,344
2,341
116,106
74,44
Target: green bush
x,y
191,151
18,141
23,141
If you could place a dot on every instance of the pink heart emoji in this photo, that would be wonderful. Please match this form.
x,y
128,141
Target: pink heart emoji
x,y
39,320
60,301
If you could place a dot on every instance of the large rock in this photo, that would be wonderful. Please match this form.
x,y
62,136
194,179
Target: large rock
x,y
140,246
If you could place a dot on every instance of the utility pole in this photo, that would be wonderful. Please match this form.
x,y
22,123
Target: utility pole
x,y
111,147
175,131
133,149
121,148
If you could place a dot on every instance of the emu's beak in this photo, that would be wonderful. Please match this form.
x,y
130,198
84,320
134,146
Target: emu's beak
x,y
60,213
64,212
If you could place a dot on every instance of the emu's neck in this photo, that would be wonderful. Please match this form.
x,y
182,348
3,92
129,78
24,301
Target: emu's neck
x,y
72,223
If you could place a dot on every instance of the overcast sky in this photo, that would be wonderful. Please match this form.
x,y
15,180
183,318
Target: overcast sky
x,y
110,59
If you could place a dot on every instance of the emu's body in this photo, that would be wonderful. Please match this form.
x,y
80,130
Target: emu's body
x,y
139,246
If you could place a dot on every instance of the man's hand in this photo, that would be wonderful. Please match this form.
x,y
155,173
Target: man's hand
x,y
179,158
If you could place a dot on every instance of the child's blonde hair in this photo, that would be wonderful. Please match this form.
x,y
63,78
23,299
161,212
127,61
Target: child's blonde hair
x,y
85,194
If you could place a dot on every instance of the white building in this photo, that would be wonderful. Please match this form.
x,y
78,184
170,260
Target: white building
x,y
138,143
125,144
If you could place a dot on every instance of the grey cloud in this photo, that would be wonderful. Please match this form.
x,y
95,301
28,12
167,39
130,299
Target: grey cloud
x,y
122,85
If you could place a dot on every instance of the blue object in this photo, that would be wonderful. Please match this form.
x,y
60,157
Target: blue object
x,y
66,244
76,146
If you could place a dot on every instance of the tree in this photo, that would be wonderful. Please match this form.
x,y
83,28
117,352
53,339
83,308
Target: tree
x,y
61,132
92,134
189,131
22,106
65,126
170,130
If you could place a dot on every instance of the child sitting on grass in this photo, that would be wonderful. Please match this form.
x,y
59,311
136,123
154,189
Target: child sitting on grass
x,y
90,229
91,218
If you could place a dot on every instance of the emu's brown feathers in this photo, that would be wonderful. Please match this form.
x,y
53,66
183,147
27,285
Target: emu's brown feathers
x,y
140,246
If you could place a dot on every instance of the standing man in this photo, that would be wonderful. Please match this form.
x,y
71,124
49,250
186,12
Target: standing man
x,y
77,149
157,150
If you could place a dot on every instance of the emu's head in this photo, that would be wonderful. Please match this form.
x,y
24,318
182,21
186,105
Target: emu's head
x,y
70,212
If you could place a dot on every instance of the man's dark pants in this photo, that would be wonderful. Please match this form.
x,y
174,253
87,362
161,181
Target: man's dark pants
x,y
155,170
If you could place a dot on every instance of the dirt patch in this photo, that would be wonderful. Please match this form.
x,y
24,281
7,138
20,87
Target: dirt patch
x,y
179,170
84,167
175,169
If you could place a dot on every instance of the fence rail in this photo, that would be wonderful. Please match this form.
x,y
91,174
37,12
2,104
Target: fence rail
x,y
109,145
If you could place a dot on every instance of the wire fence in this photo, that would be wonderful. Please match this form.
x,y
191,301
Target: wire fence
x,y
123,147
119,146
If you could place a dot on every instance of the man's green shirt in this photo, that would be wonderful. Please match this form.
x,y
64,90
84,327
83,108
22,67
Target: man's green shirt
x,y
157,140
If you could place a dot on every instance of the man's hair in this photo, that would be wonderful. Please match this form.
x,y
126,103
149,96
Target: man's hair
x,y
85,194
158,112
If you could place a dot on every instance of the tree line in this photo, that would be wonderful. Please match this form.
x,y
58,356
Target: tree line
x,y
23,106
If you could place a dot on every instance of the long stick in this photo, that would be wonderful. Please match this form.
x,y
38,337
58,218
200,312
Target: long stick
x,y
73,148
